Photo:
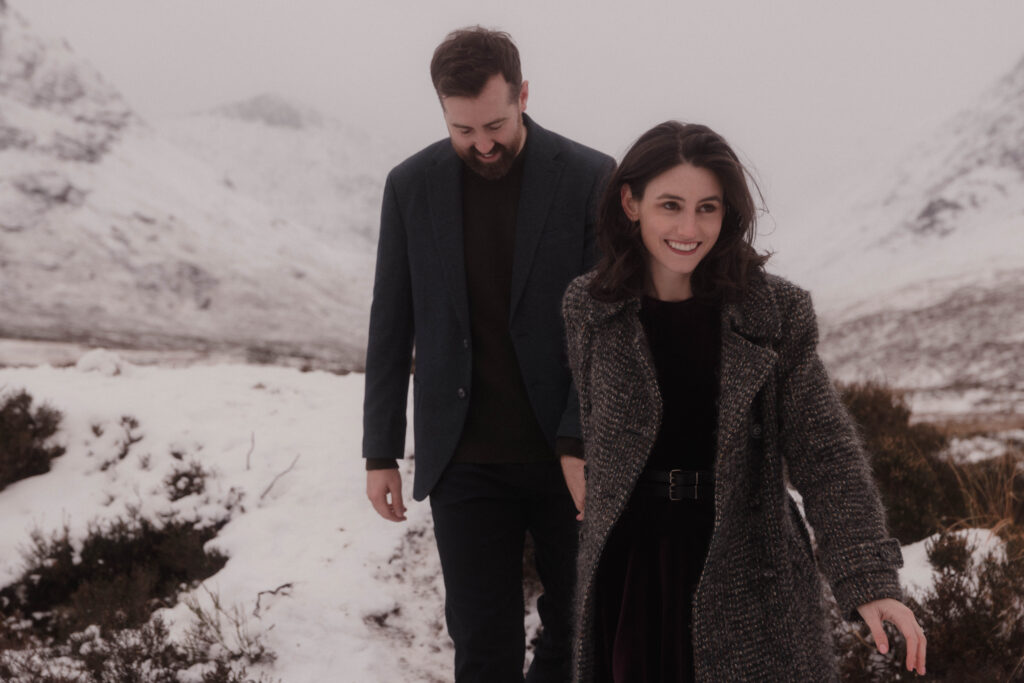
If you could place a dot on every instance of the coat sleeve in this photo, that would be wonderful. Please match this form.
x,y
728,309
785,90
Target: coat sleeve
x,y
577,348
827,465
390,339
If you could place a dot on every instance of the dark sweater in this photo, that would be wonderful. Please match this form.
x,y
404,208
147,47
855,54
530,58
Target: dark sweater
x,y
500,425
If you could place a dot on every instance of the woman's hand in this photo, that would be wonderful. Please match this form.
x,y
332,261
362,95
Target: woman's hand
x,y
572,470
894,611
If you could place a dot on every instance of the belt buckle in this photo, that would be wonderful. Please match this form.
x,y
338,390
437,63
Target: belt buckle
x,y
672,484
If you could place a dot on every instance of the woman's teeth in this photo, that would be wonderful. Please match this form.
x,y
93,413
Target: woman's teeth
x,y
682,246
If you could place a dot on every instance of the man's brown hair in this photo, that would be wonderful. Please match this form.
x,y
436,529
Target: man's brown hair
x,y
469,57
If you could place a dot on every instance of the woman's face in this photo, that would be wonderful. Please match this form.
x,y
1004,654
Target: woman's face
x,y
680,217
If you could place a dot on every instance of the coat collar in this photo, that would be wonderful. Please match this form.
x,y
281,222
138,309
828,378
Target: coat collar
x,y
755,316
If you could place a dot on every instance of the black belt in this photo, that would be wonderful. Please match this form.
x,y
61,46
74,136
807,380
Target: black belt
x,y
678,484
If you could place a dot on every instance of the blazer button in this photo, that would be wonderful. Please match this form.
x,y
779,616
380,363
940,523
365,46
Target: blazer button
x,y
465,343
461,393
757,431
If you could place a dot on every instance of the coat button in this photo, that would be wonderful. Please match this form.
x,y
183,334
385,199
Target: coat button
x,y
461,393
465,343
757,431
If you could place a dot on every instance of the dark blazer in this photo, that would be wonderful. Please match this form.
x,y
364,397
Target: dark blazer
x,y
758,610
420,300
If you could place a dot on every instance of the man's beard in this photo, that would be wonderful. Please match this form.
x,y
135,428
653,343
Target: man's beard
x,y
492,170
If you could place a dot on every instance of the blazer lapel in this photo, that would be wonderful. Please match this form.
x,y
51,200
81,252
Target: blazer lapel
x,y
445,198
540,178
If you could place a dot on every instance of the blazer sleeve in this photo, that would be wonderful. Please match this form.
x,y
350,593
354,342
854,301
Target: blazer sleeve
x,y
569,427
827,465
390,339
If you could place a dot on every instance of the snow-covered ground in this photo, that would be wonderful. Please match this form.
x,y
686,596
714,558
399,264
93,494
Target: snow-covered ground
x,y
362,598
365,598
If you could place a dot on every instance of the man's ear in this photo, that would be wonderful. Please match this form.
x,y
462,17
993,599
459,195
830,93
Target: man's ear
x,y
524,94
629,203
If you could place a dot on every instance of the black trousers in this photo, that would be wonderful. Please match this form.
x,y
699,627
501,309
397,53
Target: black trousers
x,y
481,516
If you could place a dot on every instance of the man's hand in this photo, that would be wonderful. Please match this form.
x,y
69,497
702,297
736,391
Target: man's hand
x,y
572,470
384,489
899,614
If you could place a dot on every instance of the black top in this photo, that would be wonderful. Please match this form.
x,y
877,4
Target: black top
x,y
500,425
685,342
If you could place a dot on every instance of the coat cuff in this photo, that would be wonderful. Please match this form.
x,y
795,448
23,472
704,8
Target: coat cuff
x,y
865,572
860,589
381,464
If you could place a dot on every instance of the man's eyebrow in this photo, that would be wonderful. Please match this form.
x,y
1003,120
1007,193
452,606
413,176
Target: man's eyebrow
x,y
489,123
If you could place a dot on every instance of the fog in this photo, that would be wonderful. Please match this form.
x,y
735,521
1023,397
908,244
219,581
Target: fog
x,y
811,93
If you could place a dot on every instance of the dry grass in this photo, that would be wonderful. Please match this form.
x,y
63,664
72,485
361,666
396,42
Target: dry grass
x,y
966,426
993,491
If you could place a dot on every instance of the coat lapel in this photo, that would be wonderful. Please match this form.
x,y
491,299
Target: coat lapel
x,y
747,361
540,179
445,197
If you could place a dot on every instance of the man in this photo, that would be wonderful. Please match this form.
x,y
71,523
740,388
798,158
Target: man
x,y
480,235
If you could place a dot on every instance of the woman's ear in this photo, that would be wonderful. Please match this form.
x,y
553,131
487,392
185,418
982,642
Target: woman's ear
x,y
629,204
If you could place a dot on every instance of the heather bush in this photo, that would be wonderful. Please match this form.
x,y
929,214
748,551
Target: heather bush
x,y
124,570
973,616
920,491
24,433
87,615
145,654
186,480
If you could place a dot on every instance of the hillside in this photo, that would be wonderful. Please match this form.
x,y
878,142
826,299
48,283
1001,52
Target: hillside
x,y
112,235
920,277
304,165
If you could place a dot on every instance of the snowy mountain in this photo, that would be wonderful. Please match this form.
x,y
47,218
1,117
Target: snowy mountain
x,y
306,166
110,234
920,278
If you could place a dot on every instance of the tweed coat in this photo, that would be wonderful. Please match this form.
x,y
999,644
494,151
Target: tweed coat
x,y
758,610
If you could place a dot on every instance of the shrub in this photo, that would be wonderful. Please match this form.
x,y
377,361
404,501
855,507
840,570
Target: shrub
x,y
972,616
124,571
920,492
142,655
87,617
185,480
23,436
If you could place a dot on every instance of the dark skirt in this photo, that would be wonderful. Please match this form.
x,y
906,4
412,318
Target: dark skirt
x,y
648,574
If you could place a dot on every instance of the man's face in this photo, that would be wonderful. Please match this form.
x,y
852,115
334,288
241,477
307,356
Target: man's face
x,y
487,131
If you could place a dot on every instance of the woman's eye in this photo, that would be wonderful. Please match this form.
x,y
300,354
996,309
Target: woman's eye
x,y
671,206
709,208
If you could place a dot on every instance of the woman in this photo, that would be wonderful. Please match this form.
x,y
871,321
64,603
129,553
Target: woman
x,y
702,399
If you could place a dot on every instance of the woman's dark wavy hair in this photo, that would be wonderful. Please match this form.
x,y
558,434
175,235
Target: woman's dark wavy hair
x,y
724,273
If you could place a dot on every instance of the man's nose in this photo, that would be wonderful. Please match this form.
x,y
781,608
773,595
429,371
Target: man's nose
x,y
484,145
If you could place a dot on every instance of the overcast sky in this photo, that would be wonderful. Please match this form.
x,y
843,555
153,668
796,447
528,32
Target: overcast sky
x,y
809,91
